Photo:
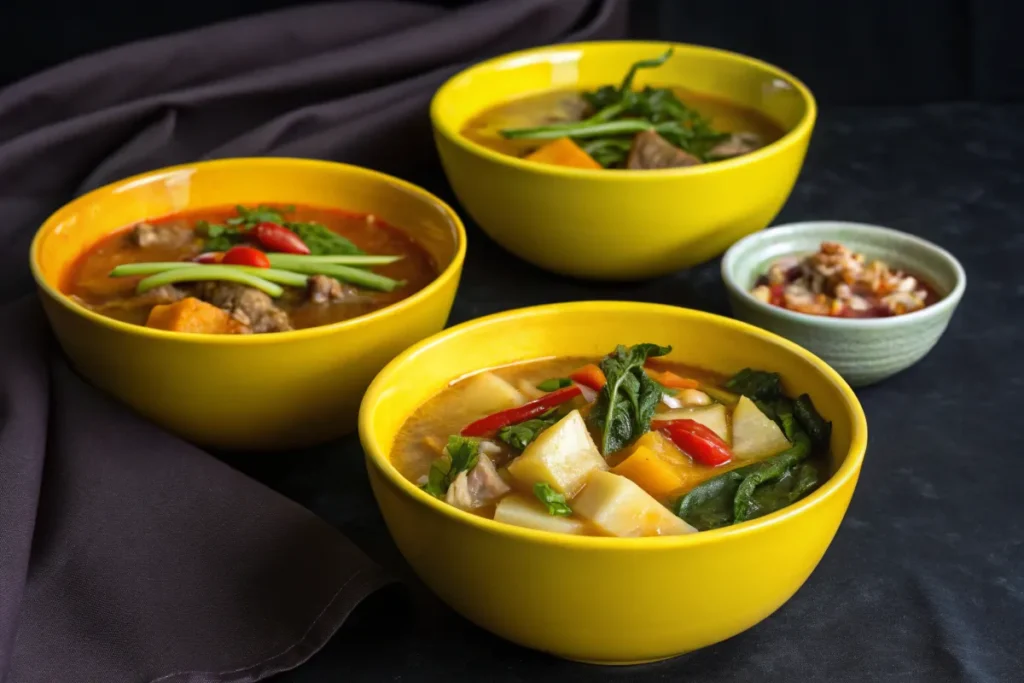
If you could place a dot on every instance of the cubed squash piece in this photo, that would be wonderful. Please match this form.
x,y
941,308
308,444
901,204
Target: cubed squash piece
x,y
713,417
651,472
520,511
563,152
619,507
754,434
562,456
195,316
486,393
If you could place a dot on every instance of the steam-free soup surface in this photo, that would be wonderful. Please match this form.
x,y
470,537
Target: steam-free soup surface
x,y
627,445
308,297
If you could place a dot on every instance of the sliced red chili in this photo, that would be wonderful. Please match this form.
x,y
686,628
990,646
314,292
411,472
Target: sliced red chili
x,y
245,256
492,423
696,440
279,238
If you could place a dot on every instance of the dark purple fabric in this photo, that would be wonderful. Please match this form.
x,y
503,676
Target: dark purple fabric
x,y
125,553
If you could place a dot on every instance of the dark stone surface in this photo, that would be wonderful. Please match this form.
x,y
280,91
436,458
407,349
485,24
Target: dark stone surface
x,y
925,579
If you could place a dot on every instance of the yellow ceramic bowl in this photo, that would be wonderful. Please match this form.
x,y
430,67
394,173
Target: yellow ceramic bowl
x,y
608,600
621,224
254,391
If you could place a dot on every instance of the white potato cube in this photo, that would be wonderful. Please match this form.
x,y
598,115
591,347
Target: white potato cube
x,y
713,417
754,434
486,393
562,456
619,507
531,514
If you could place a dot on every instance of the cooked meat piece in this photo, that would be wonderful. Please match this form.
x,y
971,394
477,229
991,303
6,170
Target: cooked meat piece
x,y
148,235
482,486
324,289
651,151
735,145
249,306
165,294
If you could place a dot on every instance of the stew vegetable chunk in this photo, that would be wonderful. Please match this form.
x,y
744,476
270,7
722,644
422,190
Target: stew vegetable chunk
x,y
627,445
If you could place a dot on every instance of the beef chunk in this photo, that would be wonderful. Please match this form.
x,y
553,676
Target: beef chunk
x,y
736,145
249,306
324,289
651,151
482,486
165,294
168,236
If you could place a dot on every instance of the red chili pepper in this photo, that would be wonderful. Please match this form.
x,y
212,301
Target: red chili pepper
x,y
245,256
696,440
279,238
210,257
527,411
778,295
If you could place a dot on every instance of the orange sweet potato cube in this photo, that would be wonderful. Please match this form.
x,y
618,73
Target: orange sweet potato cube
x,y
195,316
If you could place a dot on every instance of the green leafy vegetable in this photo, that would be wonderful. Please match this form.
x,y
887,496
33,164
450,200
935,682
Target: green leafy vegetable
x,y
250,218
461,455
519,436
814,424
620,112
757,385
553,500
773,469
625,405
219,237
322,241
554,384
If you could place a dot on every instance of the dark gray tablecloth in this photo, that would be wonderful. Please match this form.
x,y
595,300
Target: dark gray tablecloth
x,y
925,579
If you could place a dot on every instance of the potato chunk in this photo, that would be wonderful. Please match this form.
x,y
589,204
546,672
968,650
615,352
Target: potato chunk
x,y
193,315
562,456
486,393
619,507
520,511
754,434
713,417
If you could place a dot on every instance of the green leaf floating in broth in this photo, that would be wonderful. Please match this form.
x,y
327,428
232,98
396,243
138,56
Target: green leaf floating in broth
x,y
322,241
552,499
814,424
625,406
461,455
756,384
519,436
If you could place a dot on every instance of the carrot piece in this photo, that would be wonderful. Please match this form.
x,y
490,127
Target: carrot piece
x,y
193,315
651,473
672,380
563,152
589,376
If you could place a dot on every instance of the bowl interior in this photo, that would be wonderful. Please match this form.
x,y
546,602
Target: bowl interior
x,y
743,80
750,258
79,224
594,329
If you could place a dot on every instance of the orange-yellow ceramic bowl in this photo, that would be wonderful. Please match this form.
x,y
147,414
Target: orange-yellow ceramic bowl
x,y
608,600
260,391
619,224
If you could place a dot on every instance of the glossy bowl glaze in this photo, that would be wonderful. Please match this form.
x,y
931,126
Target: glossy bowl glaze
x,y
619,224
261,391
607,600
863,351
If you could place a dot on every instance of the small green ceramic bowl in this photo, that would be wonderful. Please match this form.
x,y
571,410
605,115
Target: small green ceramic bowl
x,y
863,351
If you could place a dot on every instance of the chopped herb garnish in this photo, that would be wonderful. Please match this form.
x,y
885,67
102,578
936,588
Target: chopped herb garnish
x,y
552,499
626,404
461,455
554,384
321,240
519,436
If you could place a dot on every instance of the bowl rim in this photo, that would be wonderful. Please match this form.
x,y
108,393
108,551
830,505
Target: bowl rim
x,y
792,137
376,393
753,242
452,270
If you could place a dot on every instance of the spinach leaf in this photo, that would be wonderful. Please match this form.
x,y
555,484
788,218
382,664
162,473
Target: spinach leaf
x,y
814,424
519,436
461,455
756,384
625,405
554,384
322,241
709,505
772,469
250,218
552,499
219,237
793,485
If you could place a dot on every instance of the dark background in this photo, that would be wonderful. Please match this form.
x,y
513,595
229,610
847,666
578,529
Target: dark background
x,y
848,51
